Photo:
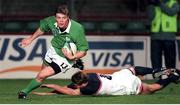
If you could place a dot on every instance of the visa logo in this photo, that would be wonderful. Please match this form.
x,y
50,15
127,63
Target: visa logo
x,y
112,59
19,53
114,55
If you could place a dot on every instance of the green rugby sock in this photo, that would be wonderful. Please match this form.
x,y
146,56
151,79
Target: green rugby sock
x,y
31,86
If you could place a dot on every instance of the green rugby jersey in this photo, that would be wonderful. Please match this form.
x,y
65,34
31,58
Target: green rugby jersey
x,y
76,34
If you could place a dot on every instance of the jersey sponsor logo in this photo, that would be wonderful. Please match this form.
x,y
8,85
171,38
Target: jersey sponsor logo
x,y
55,31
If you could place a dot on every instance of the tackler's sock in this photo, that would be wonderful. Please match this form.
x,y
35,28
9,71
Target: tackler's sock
x,y
143,70
164,81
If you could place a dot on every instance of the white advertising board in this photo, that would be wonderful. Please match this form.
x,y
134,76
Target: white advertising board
x,y
106,53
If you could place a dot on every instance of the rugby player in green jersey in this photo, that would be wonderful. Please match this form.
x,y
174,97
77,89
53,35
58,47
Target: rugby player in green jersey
x,y
57,59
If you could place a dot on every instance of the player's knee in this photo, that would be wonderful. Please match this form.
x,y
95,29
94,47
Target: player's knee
x,y
41,77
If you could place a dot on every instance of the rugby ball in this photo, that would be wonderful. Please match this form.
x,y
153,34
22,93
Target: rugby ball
x,y
70,47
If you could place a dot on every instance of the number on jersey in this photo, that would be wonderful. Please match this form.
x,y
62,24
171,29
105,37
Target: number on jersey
x,y
106,76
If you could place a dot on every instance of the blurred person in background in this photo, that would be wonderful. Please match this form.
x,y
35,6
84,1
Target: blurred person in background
x,y
163,19
57,60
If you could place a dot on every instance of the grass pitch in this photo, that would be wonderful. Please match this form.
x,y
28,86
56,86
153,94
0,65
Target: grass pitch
x,y
9,89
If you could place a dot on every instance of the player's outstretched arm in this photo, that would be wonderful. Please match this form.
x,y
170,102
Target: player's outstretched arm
x,y
26,41
43,93
63,90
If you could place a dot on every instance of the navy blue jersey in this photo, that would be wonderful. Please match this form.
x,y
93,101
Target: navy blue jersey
x,y
93,85
72,86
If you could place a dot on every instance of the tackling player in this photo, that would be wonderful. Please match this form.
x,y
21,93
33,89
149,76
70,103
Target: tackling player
x,y
123,82
56,60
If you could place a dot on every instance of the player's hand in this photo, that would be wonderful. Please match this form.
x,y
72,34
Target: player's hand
x,y
25,42
79,64
67,54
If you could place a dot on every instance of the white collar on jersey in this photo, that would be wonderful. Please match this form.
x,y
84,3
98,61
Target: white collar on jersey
x,y
67,29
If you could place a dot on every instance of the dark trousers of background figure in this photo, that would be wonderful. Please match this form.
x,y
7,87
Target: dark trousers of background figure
x,y
166,48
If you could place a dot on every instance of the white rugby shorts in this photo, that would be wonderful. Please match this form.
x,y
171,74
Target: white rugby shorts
x,y
52,56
